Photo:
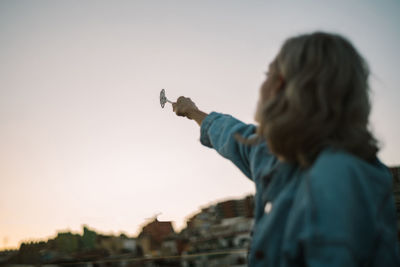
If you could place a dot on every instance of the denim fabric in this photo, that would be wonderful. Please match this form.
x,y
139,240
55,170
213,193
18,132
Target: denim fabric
x,y
338,212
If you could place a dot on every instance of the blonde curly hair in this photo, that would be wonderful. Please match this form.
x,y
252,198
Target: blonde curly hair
x,y
322,100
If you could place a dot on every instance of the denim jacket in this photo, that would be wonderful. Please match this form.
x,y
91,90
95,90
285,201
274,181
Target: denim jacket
x,y
338,212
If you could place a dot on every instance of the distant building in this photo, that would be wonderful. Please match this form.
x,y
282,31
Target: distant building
x,y
152,236
236,208
6,255
129,245
88,238
220,227
201,222
171,245
67,242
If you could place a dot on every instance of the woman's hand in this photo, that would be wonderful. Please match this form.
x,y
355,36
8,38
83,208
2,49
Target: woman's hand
x,y
185,107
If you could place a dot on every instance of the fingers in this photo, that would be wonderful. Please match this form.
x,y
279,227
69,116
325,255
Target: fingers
x,y
183,106
183,99
176,107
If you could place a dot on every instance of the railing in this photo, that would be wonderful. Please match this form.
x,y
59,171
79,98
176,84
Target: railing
x,y
211,258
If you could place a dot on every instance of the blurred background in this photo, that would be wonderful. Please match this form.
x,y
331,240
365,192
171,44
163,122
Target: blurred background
x,y
83,139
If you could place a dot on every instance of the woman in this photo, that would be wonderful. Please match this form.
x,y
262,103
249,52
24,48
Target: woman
x,y
322,196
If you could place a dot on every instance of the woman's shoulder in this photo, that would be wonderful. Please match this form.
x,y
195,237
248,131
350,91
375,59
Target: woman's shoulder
x,y
342,162
340,169
341,176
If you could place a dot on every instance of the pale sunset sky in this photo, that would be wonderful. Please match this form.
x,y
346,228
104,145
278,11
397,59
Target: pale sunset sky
x,y
83,139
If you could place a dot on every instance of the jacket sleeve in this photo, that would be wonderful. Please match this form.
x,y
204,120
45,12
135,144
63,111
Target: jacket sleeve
x,y
218,131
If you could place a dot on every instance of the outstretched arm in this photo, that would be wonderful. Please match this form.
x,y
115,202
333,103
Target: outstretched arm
x,y
219,131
